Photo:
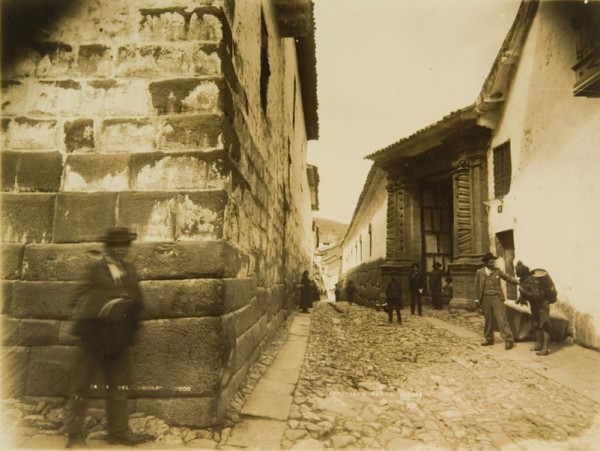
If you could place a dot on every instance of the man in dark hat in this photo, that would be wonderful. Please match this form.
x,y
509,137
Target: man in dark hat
x,y
490,298
416,283
435,286
107,308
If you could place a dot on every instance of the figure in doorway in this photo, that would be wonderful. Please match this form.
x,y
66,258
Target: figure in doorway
x,y
435,285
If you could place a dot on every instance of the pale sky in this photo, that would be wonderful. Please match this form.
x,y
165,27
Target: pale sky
x,y
386,69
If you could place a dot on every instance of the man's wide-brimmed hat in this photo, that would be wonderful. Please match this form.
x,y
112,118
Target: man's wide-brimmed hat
x,y
437,265
118,235
487,257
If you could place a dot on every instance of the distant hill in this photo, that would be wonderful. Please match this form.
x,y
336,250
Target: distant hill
x,y
330,232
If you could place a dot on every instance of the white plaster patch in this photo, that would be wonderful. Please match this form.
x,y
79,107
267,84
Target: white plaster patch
x,y
204,97
160,223
172,173
195,222
116,182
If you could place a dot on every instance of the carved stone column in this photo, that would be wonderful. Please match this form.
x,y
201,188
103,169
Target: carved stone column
x,y
403,225
470,224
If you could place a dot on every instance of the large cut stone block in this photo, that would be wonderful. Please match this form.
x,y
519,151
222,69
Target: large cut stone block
x,y
94,60
79,135
127,135
150,214
238,293
191,95
188,260
10,330
32,134
47,300
169,24
197,132
200,215
27,218
97,172
11,260
193,412
49,370
178,357
247,316
169,172
153,61
8,166
83,217
39,171
182,298
6,291
248,343
49,262
15,360
38,332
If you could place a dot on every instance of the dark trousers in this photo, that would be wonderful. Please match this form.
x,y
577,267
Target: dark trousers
x,y
436,299
115,368
394,305
493,308
415,299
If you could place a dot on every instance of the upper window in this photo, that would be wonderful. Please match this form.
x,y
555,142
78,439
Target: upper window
x,y
502,169
265,70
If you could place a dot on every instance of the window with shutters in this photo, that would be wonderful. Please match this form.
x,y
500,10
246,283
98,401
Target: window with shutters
x,y
502,170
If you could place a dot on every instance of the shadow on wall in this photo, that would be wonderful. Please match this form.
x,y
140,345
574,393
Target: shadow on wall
x,y
25,22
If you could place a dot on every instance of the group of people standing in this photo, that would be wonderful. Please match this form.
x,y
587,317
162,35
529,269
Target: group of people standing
x,y
535,287
417,283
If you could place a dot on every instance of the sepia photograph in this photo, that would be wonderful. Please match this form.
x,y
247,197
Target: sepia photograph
x,y
300,224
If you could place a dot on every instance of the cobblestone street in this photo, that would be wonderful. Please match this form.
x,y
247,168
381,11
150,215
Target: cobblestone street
x,y
367,383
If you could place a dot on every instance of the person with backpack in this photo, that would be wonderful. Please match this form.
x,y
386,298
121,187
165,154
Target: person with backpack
x,y
537,289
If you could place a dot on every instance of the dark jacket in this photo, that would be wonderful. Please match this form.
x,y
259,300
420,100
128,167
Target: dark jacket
x,y
435,281
481,279
393,292
96,289
416,281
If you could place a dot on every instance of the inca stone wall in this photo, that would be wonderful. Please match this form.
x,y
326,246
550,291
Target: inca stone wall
x,y
148,114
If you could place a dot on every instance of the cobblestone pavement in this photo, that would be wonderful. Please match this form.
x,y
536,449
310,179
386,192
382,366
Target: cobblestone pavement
x,y
370,384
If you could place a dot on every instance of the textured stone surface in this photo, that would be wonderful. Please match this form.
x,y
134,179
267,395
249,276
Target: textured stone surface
x,y
168,355
49,370
15,360
96,172
39,171
32,134
83,217
182,298
50,300
150,214
9,161
11,261
79,135
186,260
27,218
38,332
58,262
